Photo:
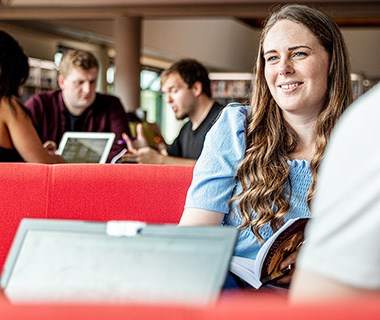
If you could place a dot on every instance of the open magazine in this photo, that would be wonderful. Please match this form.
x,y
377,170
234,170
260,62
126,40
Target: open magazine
x,y
266,267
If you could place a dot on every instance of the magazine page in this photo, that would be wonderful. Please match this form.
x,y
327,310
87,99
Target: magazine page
x,y
284,242
266,266
243,267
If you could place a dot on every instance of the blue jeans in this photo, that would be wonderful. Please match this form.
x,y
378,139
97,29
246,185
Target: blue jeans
x,y
234,282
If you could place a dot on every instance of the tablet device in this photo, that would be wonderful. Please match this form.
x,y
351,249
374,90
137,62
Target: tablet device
x,y
63,261
86,147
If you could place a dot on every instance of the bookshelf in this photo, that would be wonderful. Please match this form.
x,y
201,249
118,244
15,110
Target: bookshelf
x,y
42,77
231,87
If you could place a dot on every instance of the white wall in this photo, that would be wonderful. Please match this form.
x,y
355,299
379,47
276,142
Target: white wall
x,y
221,44
363,44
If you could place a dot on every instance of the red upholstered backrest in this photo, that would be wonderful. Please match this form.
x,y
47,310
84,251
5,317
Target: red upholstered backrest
x,y
150,193
23,190
94,192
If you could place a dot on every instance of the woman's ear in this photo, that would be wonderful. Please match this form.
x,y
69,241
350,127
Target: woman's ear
x,y
197,88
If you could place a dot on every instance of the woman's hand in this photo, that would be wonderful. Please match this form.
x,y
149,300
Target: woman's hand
x,y
289,262
50,147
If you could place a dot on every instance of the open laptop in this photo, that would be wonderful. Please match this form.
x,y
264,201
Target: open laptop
x,y
63,261
86,147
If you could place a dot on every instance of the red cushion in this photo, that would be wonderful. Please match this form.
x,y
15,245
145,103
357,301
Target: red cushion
x,y
150,193
94,192
23,195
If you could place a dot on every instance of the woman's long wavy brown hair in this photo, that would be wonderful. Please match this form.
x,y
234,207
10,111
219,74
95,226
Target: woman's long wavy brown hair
x,y
270,139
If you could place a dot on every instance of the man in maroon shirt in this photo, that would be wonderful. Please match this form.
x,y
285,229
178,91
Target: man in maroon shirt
x,y
77,106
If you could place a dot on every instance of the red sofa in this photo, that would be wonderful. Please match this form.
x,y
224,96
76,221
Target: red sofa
x,y
151,193
154,194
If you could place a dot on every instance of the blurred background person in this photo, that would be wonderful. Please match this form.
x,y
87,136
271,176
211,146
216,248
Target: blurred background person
x,y
77,106
19,140
187,89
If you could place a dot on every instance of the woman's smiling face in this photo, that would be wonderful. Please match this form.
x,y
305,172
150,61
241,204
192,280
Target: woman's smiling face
x,y
296,68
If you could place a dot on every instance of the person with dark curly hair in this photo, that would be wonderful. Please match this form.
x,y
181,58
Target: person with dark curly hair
x,y
19,140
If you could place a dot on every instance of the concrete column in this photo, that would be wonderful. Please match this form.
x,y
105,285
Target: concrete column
x,y
103,59
127,61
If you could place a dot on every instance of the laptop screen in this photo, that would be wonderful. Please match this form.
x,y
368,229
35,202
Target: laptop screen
x,y
86,147
65,261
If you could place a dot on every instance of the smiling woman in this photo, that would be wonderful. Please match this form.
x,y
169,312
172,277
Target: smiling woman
x,y
296,70
259,165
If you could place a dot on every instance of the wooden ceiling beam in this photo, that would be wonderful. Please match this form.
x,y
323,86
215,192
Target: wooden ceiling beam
x,y
345,13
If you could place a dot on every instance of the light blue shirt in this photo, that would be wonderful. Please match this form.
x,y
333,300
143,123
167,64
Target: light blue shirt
x,y
215,182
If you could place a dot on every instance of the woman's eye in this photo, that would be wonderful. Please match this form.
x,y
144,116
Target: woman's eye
x,y
300,54
271,59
